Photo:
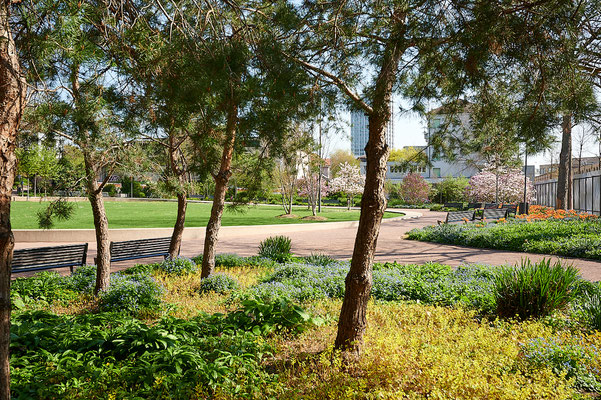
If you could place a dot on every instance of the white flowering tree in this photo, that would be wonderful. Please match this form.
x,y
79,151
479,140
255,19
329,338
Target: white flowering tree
x,y
505,186
348,181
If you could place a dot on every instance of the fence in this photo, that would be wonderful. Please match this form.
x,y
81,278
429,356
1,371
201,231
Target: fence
x,y
586,192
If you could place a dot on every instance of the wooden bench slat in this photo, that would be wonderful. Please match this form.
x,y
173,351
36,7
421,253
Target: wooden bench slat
x,y
140,248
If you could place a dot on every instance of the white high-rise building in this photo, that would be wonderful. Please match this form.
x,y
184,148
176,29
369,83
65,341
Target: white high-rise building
x,y
360,132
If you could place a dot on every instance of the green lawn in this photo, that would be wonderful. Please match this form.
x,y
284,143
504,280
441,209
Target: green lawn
x,y
162,215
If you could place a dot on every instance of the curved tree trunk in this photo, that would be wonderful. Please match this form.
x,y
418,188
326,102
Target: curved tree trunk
x,y
12,101
564,176
358,283
221,181
178,229
101,226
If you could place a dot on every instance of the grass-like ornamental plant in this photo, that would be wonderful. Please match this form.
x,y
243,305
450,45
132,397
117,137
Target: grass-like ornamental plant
x,y
276,248
534,289
218,283
590,305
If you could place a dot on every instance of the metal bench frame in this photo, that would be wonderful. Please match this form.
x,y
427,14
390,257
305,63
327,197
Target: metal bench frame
x,y
40,258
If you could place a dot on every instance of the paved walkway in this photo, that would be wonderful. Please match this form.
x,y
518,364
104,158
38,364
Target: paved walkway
x,y
338,243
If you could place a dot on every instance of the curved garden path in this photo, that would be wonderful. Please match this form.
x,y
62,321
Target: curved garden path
x,y
338,243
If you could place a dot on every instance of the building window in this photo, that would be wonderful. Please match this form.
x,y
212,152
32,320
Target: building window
x,y
436,172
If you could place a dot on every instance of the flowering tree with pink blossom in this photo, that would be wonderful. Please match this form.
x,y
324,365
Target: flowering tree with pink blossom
x,y
505,186
414,189
309,187
348,181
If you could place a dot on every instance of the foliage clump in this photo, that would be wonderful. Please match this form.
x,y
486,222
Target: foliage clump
x,y
176,266
131,293
534,289
276,248
218,283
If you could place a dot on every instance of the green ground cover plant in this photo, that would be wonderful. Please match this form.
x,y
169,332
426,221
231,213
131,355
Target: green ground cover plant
x,y
564,237
135,214
263,330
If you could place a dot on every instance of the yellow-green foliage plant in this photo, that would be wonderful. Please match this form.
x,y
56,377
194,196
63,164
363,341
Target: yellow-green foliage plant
x,y
423,352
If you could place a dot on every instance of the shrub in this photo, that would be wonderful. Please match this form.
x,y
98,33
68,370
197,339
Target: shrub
x,y
319,259
83,279
414,189
131,293
534,290
590,306
177,266
572,359
45,286
218,283
276,248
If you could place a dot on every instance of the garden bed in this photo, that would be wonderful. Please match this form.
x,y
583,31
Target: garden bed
x,y
543,231
260,329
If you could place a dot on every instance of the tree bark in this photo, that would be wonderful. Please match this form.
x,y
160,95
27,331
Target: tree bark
x,y
221,180
12,101
358,283
178,229
182,202
564,176
101,226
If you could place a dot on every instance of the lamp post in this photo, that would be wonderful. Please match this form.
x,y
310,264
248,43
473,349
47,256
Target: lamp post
x,y
525,178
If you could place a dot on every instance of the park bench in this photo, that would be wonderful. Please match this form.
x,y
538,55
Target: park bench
x,y
472,206
490,205
49,257
141,248
492,214
458,216
458,206
512,209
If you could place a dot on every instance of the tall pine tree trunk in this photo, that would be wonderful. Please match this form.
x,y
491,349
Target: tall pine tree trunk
x,y
12,101
101,226
564,177
221,180
358,283
178,228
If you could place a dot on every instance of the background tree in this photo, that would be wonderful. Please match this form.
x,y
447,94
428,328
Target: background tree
x,y
409,158
348,181
450,189
483,187
414,189
338,158
77,98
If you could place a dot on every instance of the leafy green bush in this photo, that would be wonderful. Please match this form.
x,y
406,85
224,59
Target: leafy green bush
x,y
83,279
45,286
176,266
218,283
131,293
589,305
572,359
534,290
276,248
112,355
